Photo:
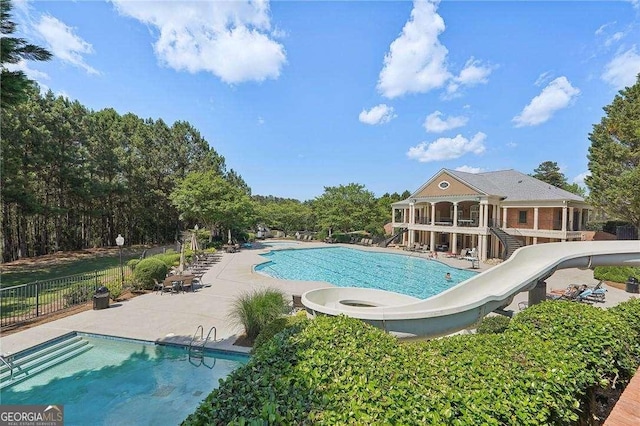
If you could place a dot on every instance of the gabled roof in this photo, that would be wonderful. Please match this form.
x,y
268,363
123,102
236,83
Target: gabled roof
x,y
514,186
510,185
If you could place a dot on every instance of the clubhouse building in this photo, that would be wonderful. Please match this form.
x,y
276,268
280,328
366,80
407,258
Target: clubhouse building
x,y
493,212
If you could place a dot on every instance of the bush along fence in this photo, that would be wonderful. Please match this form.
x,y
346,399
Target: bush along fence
x,y
26,302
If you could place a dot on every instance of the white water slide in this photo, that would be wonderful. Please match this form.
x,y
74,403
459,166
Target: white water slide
x,y
463,305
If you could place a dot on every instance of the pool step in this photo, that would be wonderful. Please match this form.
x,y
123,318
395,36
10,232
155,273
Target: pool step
x,y
40,360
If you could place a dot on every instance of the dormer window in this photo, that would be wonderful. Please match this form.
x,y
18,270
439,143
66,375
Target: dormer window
x,y
443,185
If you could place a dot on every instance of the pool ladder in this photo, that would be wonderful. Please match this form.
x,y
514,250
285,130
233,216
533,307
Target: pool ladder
x,y
197,344
7,361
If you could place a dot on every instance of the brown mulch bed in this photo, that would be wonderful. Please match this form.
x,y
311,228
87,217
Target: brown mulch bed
x,y
58,258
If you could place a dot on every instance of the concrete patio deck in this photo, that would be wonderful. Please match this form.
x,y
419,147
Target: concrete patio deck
x,y
175,317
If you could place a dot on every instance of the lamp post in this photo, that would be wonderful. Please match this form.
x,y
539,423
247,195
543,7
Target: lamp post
x,y
120,243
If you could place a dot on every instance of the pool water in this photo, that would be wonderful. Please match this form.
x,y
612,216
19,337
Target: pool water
x,y
347,267
124,382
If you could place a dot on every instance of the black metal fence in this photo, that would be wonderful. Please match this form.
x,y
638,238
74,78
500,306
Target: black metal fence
x,y
26,302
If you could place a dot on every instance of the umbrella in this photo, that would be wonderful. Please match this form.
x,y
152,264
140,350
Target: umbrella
x,y
181,267
194,243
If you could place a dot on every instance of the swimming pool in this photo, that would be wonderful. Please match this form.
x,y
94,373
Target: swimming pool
x,y
125,382
347,267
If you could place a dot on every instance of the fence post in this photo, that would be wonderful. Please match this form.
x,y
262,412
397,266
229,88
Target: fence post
x,y
96,276
37,298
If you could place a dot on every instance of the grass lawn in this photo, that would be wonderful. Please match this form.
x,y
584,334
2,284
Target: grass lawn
x,y
63,264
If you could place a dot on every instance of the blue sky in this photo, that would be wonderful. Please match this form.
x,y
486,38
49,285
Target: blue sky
x,y
299,95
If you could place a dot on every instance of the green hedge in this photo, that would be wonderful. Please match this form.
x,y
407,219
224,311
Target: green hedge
x,y
276,326
493,324
149,269
335,370
617,274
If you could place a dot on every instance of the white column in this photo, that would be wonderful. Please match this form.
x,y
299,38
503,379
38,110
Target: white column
x,y
571,218
580,219
504,217
454,243
535,218
433,215
412,211
564,219
483,247
432,241
494,215
481,218
455,214
485,207
535,240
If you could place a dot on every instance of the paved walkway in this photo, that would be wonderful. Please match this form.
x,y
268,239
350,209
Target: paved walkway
x,y
175,317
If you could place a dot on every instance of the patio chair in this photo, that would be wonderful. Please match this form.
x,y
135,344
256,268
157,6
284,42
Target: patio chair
x,y
593,294
463,253
170,284
187,283
157,287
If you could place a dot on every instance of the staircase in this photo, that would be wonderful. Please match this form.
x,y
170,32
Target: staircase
x,y
509,242
19,367
388,241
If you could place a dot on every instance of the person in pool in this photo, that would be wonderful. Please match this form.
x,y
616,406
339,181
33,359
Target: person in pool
x,y
447,277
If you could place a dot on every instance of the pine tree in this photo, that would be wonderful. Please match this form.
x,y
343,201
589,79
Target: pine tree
x,y
614,157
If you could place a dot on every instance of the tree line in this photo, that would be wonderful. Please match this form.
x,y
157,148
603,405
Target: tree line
x,y
73,178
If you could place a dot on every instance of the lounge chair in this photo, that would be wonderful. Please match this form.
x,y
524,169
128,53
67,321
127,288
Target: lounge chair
x,y
570,293
593,294
463,253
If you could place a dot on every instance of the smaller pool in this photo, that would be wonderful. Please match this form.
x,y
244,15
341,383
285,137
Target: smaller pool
x,y
347,267
113,381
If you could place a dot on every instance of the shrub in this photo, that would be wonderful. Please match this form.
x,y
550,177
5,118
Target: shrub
x,y
170,258
256,309
77,295
617,274
149,269
115,288
132,263
338,370
276,326
493,324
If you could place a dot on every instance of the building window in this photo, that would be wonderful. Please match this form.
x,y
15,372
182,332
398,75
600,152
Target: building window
x,y
522,216
443,185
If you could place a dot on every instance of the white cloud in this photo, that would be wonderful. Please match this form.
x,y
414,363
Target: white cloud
x,y
230,39
416,61
260,121
622,70
580,178
434,124
543,78
469,169
63,43
447,148
603,27
512,144
614,38
379,114
29,72
473,73
559,94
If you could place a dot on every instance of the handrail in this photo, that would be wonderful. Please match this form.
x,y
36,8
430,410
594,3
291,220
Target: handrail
x,y
204,341
215,332
193,339
8,364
